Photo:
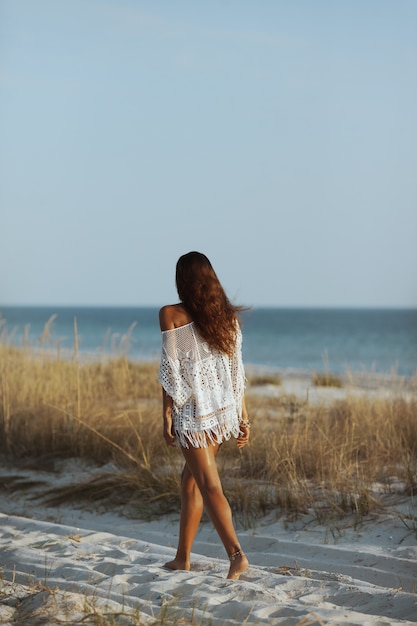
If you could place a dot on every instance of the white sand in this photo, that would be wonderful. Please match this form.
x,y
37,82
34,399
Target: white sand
x,y
354,385
66,565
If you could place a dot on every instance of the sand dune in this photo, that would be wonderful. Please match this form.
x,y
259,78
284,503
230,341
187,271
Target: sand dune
x,y
67,565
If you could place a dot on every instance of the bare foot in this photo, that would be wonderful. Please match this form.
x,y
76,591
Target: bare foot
x,y
238,564
178,564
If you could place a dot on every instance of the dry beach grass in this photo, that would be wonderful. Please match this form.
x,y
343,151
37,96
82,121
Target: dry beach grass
x,y
303,456
335,463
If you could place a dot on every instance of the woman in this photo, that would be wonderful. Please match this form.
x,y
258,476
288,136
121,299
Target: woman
x,y
202,380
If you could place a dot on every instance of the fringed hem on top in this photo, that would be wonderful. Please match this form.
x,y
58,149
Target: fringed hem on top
x,y
205,437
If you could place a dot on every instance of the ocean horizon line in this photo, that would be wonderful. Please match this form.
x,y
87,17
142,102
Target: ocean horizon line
x,y
256,307
353,338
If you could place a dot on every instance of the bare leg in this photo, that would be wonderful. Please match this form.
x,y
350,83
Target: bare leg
x,y
191,511
202,464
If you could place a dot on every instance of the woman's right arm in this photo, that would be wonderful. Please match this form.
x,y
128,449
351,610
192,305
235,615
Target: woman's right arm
x,y
167,403
166,323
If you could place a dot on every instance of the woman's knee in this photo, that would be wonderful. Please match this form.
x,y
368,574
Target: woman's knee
x,y
188,483
201,468
205,484
212,490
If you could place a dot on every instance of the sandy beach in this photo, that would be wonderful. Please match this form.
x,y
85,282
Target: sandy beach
x,y
78,564
353,385
101,565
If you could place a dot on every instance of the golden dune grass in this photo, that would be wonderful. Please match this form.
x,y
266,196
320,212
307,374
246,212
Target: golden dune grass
x,y
325,459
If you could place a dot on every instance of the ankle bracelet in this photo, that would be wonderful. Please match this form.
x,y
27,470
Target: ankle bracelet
x,y
235,555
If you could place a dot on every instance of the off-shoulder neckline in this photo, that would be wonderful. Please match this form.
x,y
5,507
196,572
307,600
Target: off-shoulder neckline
x,y
170,330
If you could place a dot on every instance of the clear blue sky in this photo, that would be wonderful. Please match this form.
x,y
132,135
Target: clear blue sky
x,y
279,137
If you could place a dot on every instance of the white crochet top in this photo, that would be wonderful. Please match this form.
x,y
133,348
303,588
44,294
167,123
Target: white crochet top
x,y
206,387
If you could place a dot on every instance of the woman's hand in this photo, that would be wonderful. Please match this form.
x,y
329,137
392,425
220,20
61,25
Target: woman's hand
x,y
167,432
243,438
167,413
244,427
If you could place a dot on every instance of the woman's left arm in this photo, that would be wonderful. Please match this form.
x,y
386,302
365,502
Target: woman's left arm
x,y
244,427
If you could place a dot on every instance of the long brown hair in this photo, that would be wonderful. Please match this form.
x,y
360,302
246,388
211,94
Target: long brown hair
x,y
205,300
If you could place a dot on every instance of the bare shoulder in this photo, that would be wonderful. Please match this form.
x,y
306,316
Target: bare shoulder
x,y
166,317
172,316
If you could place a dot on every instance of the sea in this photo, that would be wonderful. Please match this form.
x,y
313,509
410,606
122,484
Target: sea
x,y
274,339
